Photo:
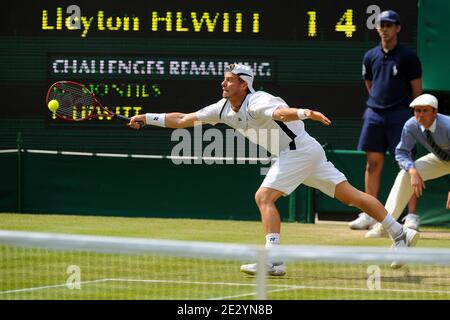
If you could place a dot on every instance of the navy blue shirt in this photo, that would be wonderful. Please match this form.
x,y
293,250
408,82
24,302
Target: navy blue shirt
x,y
390,74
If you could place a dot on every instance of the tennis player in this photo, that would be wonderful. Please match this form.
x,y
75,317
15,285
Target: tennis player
x,y
300,158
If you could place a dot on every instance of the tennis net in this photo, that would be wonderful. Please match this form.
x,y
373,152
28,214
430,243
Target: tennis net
x,y
60,266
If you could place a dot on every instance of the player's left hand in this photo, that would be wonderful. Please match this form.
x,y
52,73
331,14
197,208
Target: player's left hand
x,y
317,116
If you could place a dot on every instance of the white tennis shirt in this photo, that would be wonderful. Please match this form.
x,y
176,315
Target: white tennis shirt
x,y
254,120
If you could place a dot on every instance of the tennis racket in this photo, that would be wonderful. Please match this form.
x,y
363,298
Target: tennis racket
x,y
78,103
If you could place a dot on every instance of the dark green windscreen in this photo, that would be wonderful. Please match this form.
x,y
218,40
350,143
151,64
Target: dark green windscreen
x,y
434,44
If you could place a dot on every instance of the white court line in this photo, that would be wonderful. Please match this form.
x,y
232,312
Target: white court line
x,y
248,294
281,286
184,282
49,287
128,280
291,288
285,287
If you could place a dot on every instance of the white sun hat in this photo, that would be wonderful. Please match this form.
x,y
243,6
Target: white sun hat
x,y
425,100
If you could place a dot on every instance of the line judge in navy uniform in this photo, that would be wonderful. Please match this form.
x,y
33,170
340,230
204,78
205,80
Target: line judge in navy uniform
x,y
393,77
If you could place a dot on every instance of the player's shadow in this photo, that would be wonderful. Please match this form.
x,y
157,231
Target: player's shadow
x,y
443,281
435,235
405,278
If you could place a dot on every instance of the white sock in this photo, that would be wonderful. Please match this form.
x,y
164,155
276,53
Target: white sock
x,y
391,226
272,239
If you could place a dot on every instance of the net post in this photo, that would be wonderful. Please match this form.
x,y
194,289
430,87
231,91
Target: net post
x,y
261,274
19,171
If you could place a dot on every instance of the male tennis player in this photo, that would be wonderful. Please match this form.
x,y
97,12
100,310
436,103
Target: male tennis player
x,y
301,159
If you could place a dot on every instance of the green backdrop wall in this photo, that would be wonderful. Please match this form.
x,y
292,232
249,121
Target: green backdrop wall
x,y
95,185
433,45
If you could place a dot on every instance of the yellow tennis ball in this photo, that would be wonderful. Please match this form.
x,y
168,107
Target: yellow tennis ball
x,y
53,105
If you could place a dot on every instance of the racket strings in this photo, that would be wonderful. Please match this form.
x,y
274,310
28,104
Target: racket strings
x,y
75,101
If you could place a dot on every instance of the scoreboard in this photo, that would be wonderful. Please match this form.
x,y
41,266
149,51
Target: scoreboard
x,y
162,56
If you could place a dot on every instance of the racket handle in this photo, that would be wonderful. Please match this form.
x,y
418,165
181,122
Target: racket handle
x,y
126,119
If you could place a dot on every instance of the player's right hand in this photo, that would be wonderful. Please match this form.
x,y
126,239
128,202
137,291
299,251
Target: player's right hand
x,y
136,120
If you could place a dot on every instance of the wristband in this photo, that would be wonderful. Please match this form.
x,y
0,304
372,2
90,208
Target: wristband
x,y
156,119
301,114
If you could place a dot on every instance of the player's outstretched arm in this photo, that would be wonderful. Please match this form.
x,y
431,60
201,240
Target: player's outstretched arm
x,y
180,120
291,114
317,116
169,120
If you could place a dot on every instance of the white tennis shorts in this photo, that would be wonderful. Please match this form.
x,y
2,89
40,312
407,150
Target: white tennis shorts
x,y
308,165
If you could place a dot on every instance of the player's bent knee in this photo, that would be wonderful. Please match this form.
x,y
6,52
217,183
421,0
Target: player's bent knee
x,y
262,197
259,197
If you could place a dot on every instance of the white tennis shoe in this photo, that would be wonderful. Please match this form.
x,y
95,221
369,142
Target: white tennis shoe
x,y
272,270
411,221
408,238
363,222
377,232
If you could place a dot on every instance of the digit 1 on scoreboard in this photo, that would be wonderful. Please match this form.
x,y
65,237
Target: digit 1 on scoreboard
x,y
312,26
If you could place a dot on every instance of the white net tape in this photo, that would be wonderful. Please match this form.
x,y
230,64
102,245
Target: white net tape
x,y
52,266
